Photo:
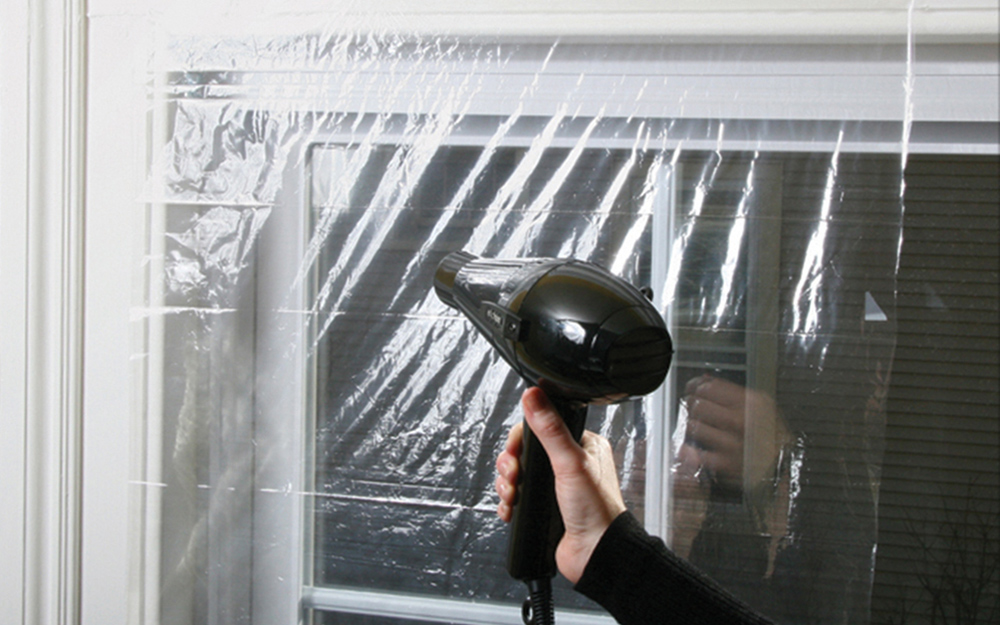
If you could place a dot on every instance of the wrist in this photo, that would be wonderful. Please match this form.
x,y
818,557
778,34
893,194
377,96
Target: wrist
x,y
577,548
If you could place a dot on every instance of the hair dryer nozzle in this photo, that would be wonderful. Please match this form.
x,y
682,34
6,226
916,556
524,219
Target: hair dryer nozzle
x,y
444,277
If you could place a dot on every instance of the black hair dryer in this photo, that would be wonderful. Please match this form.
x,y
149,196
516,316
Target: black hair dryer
x,y
581,334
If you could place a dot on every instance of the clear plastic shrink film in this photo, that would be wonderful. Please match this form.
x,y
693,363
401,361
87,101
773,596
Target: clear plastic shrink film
x,y
319,405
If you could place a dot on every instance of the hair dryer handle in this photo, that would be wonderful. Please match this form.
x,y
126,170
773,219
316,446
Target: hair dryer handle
x,y
536,525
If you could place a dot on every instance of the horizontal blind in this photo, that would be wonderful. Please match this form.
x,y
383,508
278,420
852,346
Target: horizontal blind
x,y
938,511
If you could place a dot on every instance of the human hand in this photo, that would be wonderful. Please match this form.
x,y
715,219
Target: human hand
x,y
720,415
586,482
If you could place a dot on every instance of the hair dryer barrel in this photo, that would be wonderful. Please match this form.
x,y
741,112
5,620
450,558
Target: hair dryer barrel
x,y
444,277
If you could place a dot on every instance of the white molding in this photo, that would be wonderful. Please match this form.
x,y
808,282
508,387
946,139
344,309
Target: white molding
x,y
53,309
730,21
13,302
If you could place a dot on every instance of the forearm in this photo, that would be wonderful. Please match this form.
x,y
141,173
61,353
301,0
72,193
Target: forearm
x,y
638,580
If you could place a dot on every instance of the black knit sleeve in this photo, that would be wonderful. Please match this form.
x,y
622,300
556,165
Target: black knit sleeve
x,y
639,581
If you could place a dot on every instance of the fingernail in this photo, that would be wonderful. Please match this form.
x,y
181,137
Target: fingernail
x,y
505,468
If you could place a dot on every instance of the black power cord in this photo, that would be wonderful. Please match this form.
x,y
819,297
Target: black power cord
x,y
539,608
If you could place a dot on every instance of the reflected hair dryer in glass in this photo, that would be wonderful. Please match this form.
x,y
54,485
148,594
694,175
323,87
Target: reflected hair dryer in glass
x,y
581,334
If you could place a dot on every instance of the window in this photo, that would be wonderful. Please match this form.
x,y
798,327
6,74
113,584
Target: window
x,y
298,250
401,497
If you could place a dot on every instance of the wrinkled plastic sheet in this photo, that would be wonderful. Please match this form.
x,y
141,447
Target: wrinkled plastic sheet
x,y
302,192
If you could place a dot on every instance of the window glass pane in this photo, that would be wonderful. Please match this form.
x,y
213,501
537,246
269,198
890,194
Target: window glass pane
x,y
939,507
775,439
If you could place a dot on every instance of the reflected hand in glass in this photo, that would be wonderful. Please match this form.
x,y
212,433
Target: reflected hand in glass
x,y
733,444
721,414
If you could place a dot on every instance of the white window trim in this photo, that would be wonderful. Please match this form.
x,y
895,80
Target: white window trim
x,y
14,295
683,21
41,379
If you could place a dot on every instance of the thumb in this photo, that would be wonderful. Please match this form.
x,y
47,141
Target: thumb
x,y
565,454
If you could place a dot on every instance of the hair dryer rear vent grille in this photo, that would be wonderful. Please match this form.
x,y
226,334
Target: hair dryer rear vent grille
x,y
638,361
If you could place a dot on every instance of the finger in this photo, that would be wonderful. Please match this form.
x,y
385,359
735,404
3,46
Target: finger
x,y
514,438
508,466
687,459
507,461
703,410
564,453
722,392
506,490
725,468
504,511
692,385
705,436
